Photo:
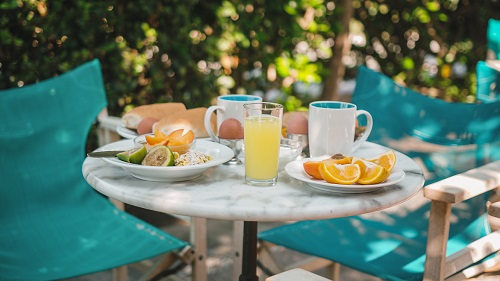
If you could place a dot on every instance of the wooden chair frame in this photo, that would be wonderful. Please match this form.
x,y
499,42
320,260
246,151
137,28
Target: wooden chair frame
x,y
443,195
194,255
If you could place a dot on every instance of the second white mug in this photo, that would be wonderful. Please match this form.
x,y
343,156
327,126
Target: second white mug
x,y
229,106
332,128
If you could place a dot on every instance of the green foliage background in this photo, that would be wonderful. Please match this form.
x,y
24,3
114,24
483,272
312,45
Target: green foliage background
x,y
192,51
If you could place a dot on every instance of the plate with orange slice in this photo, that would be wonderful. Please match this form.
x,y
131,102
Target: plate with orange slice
x,y
349,174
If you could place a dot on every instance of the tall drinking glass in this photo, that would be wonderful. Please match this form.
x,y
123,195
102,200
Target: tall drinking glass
x,y
262,129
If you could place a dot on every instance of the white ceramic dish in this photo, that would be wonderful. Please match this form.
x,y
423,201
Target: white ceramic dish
x,y
126,132
296,170
289,151
218,152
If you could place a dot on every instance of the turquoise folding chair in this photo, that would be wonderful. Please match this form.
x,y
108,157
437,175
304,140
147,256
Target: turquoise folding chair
x,y
487,77
446,139
53,224
493,38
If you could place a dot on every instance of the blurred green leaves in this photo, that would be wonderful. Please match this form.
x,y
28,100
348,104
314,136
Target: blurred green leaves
x,y
191,51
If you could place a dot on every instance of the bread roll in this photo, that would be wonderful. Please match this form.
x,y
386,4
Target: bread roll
x,y
157,110
191,119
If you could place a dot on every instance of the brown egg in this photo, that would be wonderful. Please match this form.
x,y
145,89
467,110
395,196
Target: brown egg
x,y
297,124
231,129
146,125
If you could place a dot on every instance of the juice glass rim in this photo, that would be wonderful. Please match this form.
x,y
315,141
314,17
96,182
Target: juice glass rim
x,y
251,104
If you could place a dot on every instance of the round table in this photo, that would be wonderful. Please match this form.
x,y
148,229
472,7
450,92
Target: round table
x,y
221,193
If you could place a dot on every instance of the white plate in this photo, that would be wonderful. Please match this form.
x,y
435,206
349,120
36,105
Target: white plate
x,y
219,153
296,170
126,132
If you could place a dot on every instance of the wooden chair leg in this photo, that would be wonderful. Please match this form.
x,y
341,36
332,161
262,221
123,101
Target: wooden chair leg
x,y
439,229
199,240
120,273
237,248
336,271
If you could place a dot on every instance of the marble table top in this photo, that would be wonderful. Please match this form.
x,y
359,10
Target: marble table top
x,y
220,193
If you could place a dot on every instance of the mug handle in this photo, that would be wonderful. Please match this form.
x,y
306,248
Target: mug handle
x,y
368,130
208,123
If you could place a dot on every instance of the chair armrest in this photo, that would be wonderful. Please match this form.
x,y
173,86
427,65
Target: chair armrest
x,y
108,122
466,185
106,126
494,209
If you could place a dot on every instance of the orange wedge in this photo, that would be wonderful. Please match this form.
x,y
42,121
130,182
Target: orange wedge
x,y
340,174
371,173
157,138
177,138
283,132
311,167
386,160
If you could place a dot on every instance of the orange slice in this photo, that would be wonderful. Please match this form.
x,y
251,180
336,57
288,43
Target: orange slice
x,y
157,138
386,160
340,174
176,138
176,134
311,167
371,173
283,132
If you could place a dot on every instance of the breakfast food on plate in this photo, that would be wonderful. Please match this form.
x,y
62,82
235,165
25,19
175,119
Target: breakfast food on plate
x,y
159,155
159,149
386,160
371,173
191,119
231,129
339,169
134,156
192,157
179,141
340,173
312,167
132,118
146,125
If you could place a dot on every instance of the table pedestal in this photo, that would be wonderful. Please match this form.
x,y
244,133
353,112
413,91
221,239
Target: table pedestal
x,y
249,261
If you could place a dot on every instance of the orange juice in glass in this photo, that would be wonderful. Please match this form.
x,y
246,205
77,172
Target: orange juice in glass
x,y
262,126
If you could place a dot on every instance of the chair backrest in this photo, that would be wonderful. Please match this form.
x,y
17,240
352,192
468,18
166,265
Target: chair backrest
x,y
447,138
43,132
493,37
444,138
54,225
487,83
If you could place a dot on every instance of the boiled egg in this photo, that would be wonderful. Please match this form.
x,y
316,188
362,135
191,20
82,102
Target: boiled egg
x,y
231,129
297,124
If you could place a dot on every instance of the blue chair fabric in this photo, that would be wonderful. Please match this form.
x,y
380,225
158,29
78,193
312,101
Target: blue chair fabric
x,y
54,225
488,83
448,138
487,78
493,36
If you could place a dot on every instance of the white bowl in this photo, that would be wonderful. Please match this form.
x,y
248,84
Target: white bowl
x,y
219,153
290,150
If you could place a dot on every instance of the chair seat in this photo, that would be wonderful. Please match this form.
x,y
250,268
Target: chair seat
x,y
104,241
380,233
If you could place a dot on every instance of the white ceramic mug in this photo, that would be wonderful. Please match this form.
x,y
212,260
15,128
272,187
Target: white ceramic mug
x,y
229,106
332,128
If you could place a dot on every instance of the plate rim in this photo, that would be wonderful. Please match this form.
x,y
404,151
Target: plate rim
x,y
339,188
123,132
215,162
